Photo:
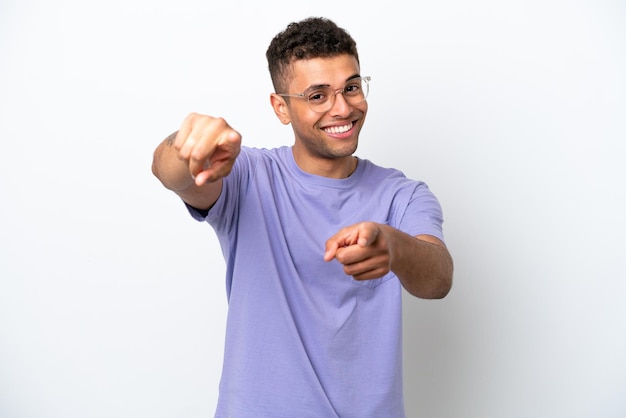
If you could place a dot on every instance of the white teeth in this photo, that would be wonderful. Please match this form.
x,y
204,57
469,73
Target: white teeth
x,y
338,129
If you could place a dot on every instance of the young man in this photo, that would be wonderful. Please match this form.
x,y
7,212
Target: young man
x,y
318,243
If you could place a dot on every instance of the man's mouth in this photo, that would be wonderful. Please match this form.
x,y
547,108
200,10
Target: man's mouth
x,y
338,129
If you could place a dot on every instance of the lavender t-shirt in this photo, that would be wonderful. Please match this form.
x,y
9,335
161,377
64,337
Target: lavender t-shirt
x,y
303,339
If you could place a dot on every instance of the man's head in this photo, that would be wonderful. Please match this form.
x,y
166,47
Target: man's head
x,y
320,92
314,37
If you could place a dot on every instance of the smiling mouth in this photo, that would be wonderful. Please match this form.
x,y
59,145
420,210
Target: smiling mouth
x,y
339,129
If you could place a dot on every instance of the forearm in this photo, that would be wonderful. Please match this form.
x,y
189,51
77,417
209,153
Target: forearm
x,y
173,172
423,264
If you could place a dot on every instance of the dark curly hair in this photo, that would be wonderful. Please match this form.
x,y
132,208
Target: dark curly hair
x,y
313,37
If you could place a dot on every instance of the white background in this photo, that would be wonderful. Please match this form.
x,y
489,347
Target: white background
x,y
112,299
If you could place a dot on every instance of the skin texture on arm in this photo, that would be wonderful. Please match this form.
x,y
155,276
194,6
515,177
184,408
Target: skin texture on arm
x,y
192,161
369,251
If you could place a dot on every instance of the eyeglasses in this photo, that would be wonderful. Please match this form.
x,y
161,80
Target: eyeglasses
x,y
322,98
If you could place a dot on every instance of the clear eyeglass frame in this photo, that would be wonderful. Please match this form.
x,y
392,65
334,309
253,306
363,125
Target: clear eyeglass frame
x,y
322,99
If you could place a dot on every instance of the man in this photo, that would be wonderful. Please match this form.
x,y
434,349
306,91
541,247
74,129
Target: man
x,y
318,243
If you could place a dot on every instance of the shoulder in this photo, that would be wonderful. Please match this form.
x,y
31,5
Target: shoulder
x,y
375,172
255,163
393,181
253,155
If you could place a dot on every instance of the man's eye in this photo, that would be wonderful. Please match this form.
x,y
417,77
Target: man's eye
x,y
317,97
352,89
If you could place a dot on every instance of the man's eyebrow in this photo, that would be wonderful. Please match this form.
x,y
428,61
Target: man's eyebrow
x,y
319,86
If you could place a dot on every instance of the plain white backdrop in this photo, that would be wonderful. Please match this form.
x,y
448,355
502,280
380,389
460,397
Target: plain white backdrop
x,y
112,299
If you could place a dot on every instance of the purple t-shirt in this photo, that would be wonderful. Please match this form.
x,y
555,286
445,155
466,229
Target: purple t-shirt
x,y
303,339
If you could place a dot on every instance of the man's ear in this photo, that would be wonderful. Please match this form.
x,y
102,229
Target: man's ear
x,y
280,108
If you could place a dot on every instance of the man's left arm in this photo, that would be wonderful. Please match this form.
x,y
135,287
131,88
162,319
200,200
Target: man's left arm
x,y
370,250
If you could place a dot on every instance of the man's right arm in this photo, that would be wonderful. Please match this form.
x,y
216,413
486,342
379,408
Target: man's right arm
x,y
192,161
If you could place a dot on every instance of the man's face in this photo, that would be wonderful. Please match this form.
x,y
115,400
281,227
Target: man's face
x,y
333,134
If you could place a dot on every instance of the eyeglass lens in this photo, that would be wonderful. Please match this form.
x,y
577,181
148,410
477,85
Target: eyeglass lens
x,y
354,92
